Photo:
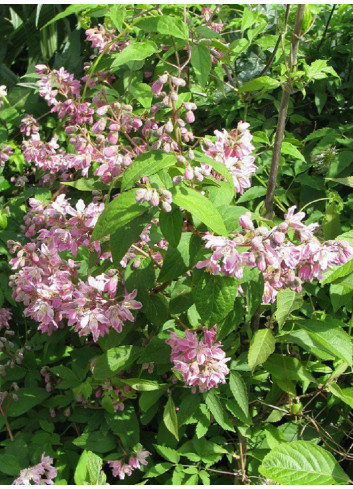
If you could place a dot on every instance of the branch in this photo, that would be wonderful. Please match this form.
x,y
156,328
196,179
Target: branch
x,y
272,57
281,123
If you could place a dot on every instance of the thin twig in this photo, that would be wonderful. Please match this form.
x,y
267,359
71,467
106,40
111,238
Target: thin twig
x,y
272,57
281,123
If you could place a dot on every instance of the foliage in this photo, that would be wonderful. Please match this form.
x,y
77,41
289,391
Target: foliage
x,y
156,327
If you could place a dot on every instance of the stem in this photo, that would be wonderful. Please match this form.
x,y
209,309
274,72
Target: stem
x,y
272,57
7,424
281,123
326,27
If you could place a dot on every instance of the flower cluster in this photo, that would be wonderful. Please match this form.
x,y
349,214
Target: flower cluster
x,y
234,150
284,264
48,284
153,197
202,364
121,468
5,153
40,474
103,40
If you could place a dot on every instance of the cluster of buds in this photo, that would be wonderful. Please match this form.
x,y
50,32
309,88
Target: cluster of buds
x,y
121,468
5,153
201,364
154,196
11,393
117,394
45,373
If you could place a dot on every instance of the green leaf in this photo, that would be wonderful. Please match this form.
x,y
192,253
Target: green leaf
x,y
252,193
253,285
95,441
117,213
168,453
216,409
201,62
238,389
114,360
261,347
239,46
149,399
171,224
121,240
287,302
338,272
87,184
172,26
28,397
291,150
9,464
180,259
283,367
145,165
142,385
200,207
117,16
170,418
72,9
142,93
125,425
302,462
248,18
157,469
264,83
330,335
134,52
213,295
217,166
344,181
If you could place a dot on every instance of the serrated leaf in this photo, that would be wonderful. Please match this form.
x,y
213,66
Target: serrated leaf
x,y
238,389
171,224
302,462
170,418
201,62
264,83
216,409
142,93
330,335
72,9
290,149
28,397
287,302
338,272
261,347
199,206
114,360
117,214
168,453
158,469
145,165
172,26
180,259
121,240
344,181
142,385
134,52
214,296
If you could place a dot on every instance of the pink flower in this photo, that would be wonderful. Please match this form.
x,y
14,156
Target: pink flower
x,y
200,363
40,474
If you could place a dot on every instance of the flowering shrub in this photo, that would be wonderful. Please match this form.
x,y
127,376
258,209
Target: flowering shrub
x,y
156,326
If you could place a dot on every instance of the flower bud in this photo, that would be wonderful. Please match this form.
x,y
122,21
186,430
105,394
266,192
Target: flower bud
x,y
189,173
190,117
169,126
